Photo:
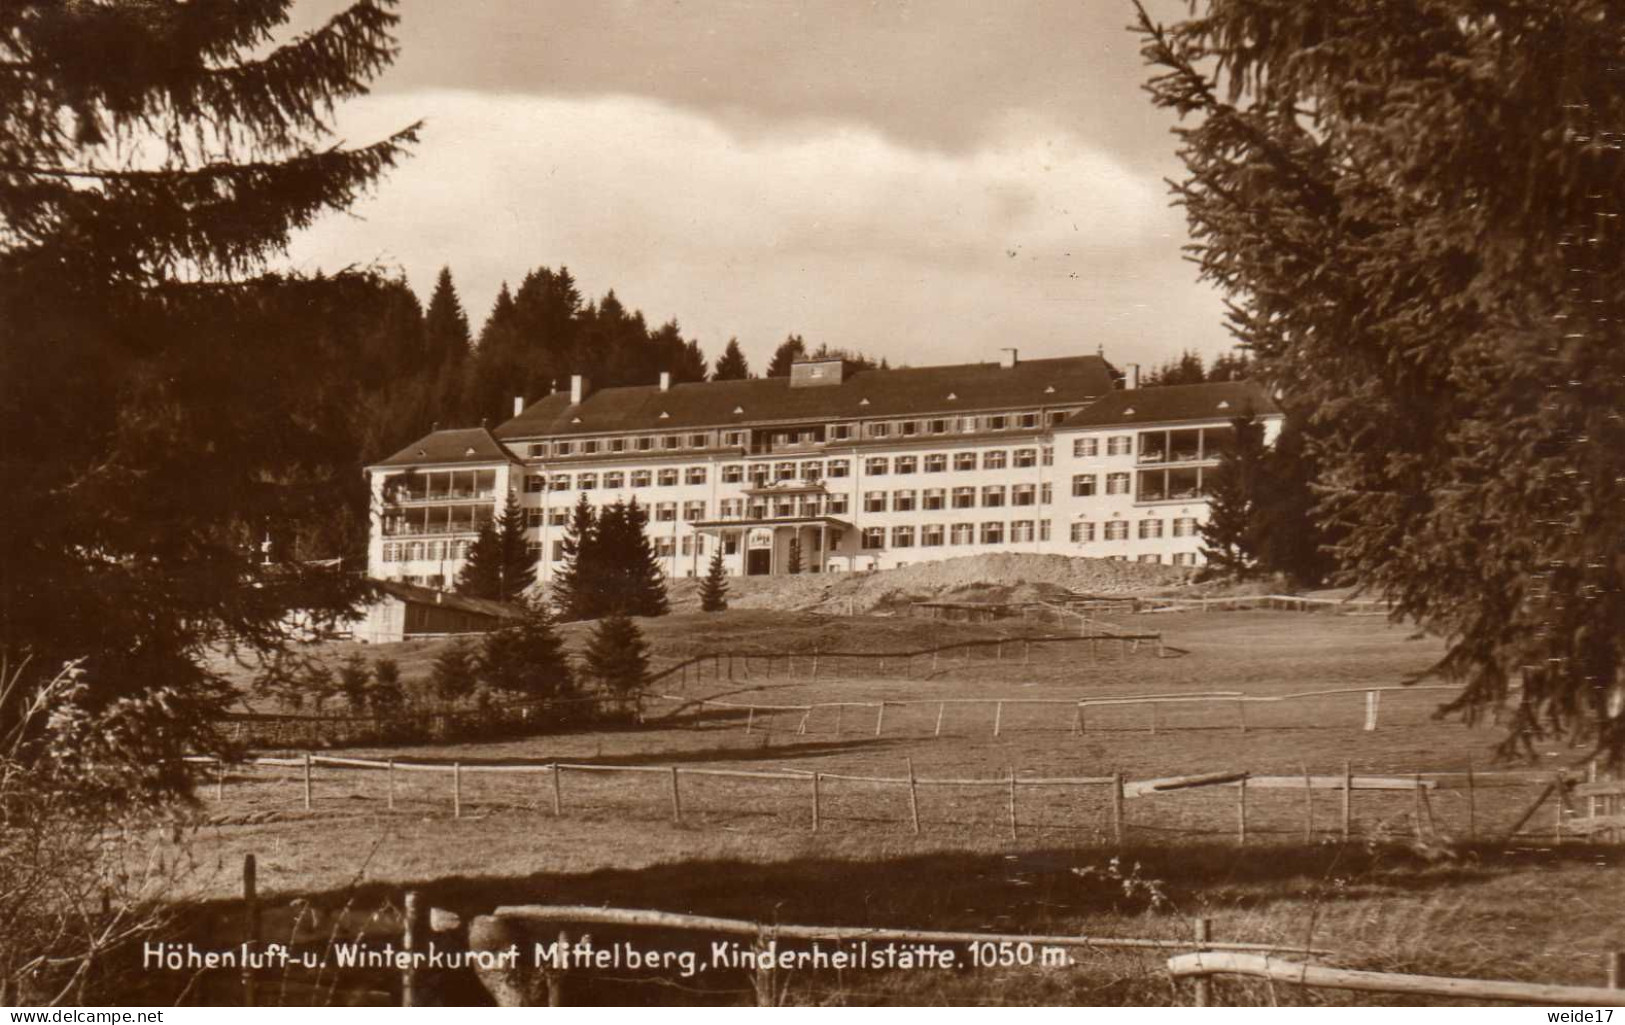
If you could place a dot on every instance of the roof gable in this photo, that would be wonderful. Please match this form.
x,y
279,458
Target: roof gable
x,y
472,445
1217,400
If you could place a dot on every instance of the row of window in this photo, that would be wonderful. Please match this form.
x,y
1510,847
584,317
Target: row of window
x,y
1116,445
935,535
413,551
1117,530
934,426
812,470
992,496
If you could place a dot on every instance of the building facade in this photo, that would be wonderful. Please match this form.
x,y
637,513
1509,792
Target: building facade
x,y
832,469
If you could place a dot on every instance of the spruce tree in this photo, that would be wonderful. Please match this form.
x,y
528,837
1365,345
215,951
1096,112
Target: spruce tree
x,y
453,676
714,588
517,572
637,582
1412,209
731,365
481,575
154,157
1230,535
576,592
789,350
386,696
617,658
526,659
354,682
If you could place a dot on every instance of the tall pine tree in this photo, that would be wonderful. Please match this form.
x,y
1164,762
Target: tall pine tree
x,y
575,591
714,588
731,365
1413,209
789,350
153,157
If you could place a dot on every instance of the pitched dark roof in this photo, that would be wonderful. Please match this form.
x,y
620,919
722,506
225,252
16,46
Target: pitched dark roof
x,y
447,599
945,390
463,445
1176,402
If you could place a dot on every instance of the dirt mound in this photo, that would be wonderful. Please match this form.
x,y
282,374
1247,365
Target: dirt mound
x,y
1000,577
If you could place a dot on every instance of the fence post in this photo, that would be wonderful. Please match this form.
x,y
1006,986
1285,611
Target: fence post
x,y
815,778
412,937
815,664
1472,805
220,781
913,798
941,707
676,799
1557,809
389,779
456,790
251,927
750,719
840,711
1308,807
307,780
1012,802
1156,713
1241,810
880,718
1204,992
763,981
1241,714
1117,807
1373,702
1348,801
1616,969
558,791
998,717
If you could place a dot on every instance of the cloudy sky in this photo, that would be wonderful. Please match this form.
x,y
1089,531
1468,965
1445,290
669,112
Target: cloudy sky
x,y
925,181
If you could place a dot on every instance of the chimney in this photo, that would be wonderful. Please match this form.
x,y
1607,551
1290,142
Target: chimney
x,y
518,404
578,389
665,380
1007,358
1133,379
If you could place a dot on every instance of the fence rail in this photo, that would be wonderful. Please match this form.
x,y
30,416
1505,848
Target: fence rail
x,y
1117,793
1204,964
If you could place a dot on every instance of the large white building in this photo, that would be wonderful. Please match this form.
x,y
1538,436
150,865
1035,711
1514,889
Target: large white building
x,y
833,469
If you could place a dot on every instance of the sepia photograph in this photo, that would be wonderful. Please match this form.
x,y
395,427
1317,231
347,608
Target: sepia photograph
x,y
812,503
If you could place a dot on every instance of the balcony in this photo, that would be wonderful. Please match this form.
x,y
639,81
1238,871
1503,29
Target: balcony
x,y
424,498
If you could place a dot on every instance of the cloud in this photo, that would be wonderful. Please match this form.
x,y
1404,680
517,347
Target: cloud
x,y
839,231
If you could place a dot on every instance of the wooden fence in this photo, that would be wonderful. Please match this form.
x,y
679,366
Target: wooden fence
x,y
1116,792
759,714
1203,965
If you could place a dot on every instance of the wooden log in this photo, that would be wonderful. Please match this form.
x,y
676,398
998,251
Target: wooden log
x,y
1262,967
1529,812
251,928
913,798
